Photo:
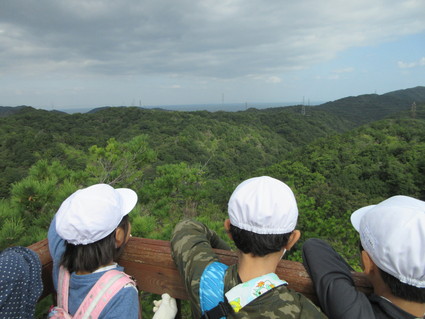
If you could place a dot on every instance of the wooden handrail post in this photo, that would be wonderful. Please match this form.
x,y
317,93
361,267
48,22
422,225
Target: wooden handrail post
x,y
42,249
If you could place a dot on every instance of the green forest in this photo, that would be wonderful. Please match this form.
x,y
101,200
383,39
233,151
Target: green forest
x,y
336,157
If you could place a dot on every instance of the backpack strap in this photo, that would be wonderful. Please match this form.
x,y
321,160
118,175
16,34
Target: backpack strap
x,y
220,311
211,291
63,288
102,292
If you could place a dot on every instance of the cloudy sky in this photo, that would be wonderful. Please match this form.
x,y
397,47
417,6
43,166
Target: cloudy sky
x,y
90,53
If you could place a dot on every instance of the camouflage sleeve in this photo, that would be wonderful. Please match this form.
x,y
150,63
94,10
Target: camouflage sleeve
x,y
192,246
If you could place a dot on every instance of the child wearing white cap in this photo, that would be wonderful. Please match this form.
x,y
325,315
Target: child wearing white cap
x,y
262,219
392,235
86,236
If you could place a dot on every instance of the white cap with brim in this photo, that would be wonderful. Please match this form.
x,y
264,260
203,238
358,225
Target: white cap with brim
x,y
393,234
263,205
92,213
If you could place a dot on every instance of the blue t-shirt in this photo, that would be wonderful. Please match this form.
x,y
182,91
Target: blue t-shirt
x,y
125,304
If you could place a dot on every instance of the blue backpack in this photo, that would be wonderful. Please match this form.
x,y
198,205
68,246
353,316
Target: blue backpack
x,y
215,303
211,292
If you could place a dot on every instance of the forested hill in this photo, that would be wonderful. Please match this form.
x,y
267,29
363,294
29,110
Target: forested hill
x,y
372,107
226,143
195,162
8,110
186,164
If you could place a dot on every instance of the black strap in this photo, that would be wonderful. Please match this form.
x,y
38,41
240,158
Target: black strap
x,y
221,310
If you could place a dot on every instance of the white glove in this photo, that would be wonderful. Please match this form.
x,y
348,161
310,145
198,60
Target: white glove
x,y
166,308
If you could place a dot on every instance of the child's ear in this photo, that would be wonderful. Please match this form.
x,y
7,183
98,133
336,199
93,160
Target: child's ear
x,y
293,238
227,228
119,237
369,267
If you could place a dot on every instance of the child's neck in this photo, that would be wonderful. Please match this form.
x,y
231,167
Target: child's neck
x,y
250,267
414,308
83,272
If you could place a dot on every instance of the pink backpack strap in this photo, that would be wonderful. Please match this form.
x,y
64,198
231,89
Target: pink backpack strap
x,y
63,288
102,292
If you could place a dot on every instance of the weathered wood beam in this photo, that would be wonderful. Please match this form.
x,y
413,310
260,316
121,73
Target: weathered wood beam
x,y
149,262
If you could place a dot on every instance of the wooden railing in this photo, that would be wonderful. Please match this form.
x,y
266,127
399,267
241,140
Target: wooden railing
x,y
149,262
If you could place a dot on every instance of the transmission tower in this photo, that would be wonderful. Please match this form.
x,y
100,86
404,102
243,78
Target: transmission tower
x,y
413,110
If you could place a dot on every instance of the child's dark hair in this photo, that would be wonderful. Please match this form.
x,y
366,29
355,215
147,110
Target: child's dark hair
x,y
402,290
258,244
90,257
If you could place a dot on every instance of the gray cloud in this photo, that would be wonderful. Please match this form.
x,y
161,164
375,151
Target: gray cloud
x,y
205,38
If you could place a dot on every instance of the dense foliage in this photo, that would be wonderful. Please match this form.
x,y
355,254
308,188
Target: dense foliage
x,y
186,164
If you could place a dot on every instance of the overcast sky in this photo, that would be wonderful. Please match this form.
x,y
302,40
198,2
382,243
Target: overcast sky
x,y
90,53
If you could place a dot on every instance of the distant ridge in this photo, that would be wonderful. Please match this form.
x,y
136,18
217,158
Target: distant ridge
x,y
99,109
372,107
9,110
416,94
358,110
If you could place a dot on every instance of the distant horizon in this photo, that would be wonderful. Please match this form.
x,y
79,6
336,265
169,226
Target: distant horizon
x,y
210,107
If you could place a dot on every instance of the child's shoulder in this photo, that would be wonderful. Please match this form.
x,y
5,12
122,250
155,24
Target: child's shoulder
x,y
125,297
296,301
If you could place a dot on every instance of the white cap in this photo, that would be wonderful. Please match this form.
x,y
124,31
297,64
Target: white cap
x,y
263,205
393,234
92,213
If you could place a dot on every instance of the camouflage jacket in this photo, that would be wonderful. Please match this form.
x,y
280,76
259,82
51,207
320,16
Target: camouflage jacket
x,y
192,246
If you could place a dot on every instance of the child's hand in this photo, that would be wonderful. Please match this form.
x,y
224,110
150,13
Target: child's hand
x,y
166,308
